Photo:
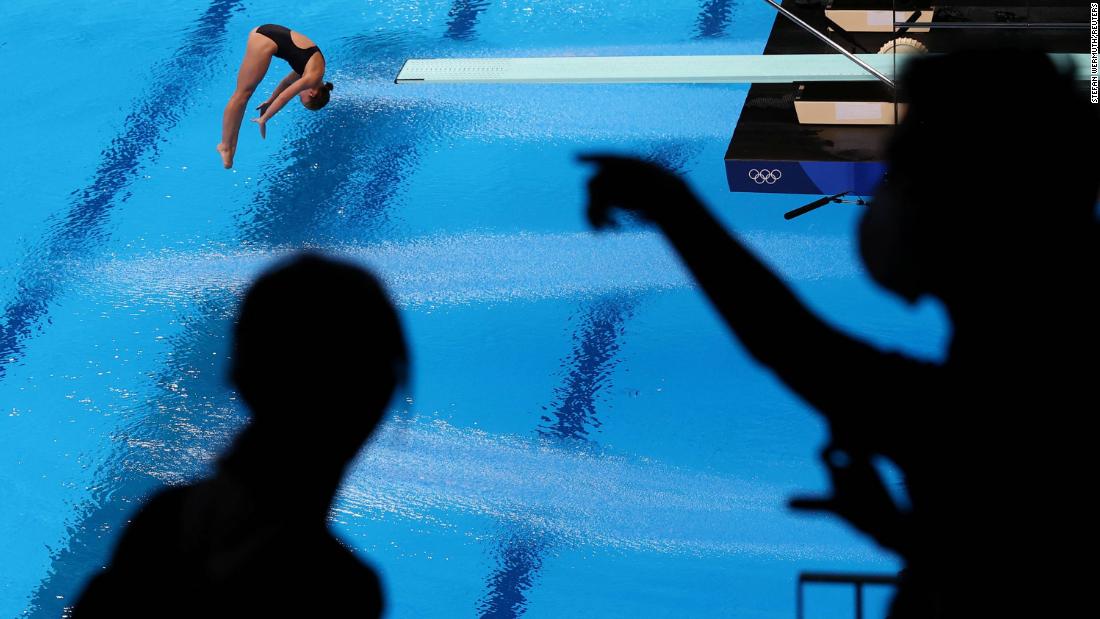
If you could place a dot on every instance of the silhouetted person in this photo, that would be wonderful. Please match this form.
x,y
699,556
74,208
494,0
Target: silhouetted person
x,y
318,353
990,207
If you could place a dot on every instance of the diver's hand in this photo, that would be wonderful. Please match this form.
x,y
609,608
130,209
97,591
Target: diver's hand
x,y
262,108
263,126
643,189
860,497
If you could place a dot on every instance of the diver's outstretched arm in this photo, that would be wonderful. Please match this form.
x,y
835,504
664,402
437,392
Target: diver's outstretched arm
x,y
844,378
287,94
283,85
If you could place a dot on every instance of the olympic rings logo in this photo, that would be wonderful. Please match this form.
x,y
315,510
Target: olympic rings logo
x,y
764,176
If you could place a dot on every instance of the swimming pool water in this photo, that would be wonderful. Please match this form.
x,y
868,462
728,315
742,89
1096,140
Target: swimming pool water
x,y
582,438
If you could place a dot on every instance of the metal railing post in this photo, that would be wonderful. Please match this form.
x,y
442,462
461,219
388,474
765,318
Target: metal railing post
x,y
859,581
825,39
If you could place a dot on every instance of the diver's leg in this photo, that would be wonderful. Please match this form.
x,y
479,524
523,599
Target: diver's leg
x,y
257,58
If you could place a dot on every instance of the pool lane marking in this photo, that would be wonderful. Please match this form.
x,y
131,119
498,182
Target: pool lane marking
x,y
58,256
322,177
463,19
714,16
588,371
594,357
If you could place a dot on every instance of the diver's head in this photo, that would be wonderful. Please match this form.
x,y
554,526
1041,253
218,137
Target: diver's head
x,y
318,352
993,165
316,98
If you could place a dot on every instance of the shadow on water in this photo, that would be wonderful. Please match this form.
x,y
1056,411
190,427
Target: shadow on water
x,y
47,266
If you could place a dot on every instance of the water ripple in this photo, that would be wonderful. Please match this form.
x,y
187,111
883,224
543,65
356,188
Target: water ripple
x,y
475,268
577,497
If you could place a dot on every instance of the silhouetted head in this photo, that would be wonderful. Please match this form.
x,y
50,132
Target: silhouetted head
x,y
994,165
318,352
316,98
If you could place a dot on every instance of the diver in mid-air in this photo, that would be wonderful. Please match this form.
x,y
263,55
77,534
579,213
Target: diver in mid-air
x,y
306,80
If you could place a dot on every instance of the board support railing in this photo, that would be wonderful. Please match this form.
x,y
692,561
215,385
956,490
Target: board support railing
x,y
859,581
826,40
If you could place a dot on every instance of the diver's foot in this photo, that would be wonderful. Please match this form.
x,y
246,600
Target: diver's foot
x,y
227,156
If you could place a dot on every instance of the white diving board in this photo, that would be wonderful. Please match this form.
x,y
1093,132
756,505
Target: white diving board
x,y
759,69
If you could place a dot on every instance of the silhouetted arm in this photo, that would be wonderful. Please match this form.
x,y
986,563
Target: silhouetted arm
x,y
844,378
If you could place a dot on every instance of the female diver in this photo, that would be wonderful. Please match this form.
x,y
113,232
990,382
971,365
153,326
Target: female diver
x,y
305,80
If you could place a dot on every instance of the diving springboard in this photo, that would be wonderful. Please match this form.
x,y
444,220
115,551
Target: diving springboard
x,y
762,69
646,69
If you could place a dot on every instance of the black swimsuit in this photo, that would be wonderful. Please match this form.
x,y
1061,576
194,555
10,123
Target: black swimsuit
x,y
285,47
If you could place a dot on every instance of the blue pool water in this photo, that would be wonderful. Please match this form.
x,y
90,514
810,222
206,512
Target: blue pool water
x,y
582,437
